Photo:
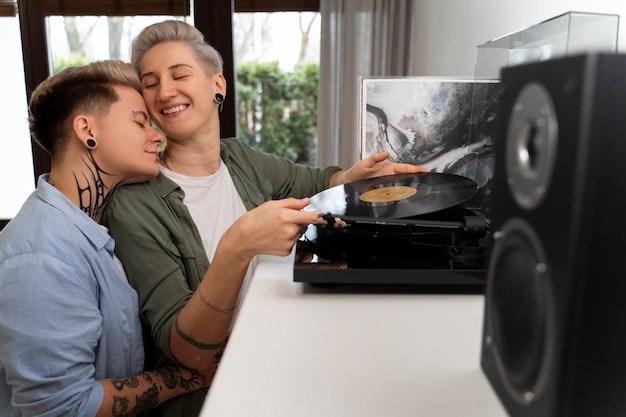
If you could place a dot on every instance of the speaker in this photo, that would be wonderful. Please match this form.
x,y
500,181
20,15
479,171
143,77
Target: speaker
x,y
554,329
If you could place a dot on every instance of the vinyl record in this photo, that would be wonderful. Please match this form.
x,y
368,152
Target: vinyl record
x,y
394,196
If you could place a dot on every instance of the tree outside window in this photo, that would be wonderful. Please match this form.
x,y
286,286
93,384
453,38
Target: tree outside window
x,y
277,82
276,64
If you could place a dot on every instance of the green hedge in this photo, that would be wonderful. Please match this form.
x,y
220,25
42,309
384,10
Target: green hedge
x,y
277,110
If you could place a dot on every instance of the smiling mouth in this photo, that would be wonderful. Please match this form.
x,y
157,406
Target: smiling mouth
x,y
174,109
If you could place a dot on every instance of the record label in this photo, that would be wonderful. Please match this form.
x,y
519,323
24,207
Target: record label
x,y
387,194
395,196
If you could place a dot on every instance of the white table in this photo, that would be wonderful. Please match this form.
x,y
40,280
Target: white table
x,y
301,351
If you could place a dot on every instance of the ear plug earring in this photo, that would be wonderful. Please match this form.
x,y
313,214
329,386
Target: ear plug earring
x,y
91,143
219,98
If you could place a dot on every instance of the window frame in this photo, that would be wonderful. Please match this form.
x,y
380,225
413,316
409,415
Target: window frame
x,y
213,18
8,8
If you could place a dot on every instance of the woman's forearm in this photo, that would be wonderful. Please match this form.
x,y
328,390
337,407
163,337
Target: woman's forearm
x,y
137,394
199,333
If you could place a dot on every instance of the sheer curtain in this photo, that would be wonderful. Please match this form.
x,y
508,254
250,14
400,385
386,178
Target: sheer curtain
x,y
359,38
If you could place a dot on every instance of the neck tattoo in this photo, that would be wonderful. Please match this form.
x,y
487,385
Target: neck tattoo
x,y
93,197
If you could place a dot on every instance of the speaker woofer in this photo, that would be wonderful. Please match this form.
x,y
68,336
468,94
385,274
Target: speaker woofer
x,y
520,311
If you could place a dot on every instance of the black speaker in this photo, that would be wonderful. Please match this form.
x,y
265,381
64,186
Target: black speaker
x,y
554,332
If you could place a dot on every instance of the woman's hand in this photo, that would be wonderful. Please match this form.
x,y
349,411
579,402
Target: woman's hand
x,y
375,165
271,228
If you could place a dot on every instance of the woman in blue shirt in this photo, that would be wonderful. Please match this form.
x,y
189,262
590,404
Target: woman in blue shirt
x,y
70,336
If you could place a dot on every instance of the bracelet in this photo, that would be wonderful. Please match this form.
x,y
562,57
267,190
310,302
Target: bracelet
x,y
213,306
154,382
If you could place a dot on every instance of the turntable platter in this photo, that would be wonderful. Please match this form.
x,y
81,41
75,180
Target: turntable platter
x,y
395,196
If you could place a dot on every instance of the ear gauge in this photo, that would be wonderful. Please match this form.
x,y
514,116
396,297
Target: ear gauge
x,y
91,143
219,98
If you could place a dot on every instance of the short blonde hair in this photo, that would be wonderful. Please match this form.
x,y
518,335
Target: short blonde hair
x,y
87,88
176,31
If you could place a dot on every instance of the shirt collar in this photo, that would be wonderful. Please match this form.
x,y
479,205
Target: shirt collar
x,y
92,230
166,186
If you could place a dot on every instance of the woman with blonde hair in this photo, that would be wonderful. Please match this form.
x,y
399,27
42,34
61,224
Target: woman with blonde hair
x,y
189,238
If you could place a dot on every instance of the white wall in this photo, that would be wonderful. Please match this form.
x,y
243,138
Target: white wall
x,y
448,31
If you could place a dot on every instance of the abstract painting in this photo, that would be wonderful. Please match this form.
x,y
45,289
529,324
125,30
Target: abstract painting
x,y
446,125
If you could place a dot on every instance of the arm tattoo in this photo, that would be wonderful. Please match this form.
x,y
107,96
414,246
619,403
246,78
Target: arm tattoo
x,y
119,384
193,342
120,406
172,377
145,401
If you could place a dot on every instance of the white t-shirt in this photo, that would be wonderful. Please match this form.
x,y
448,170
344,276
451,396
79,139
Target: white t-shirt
x,y
214,204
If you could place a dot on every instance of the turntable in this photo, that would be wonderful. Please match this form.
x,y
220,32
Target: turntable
x,y
411,229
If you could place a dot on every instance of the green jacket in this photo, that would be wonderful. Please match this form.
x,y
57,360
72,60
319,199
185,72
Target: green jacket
x,y
160,247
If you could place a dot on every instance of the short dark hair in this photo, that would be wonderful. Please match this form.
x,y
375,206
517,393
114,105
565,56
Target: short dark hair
x,y
86,88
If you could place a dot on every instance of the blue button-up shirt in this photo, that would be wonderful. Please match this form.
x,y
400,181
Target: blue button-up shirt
x,y
67,313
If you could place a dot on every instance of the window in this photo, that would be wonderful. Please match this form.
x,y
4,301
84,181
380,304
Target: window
x,y
21,161
16,159
213,18
277,68
77,40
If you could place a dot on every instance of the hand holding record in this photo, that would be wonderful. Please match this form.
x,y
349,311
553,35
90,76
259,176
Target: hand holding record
x,y
269,229
376,165
394,196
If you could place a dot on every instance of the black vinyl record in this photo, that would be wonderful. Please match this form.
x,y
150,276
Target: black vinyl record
x,y
394,196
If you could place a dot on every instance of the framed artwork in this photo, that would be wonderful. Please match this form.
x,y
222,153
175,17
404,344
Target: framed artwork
x,y
444,124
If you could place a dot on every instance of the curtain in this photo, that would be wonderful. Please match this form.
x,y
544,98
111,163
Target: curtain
x,y
359,38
